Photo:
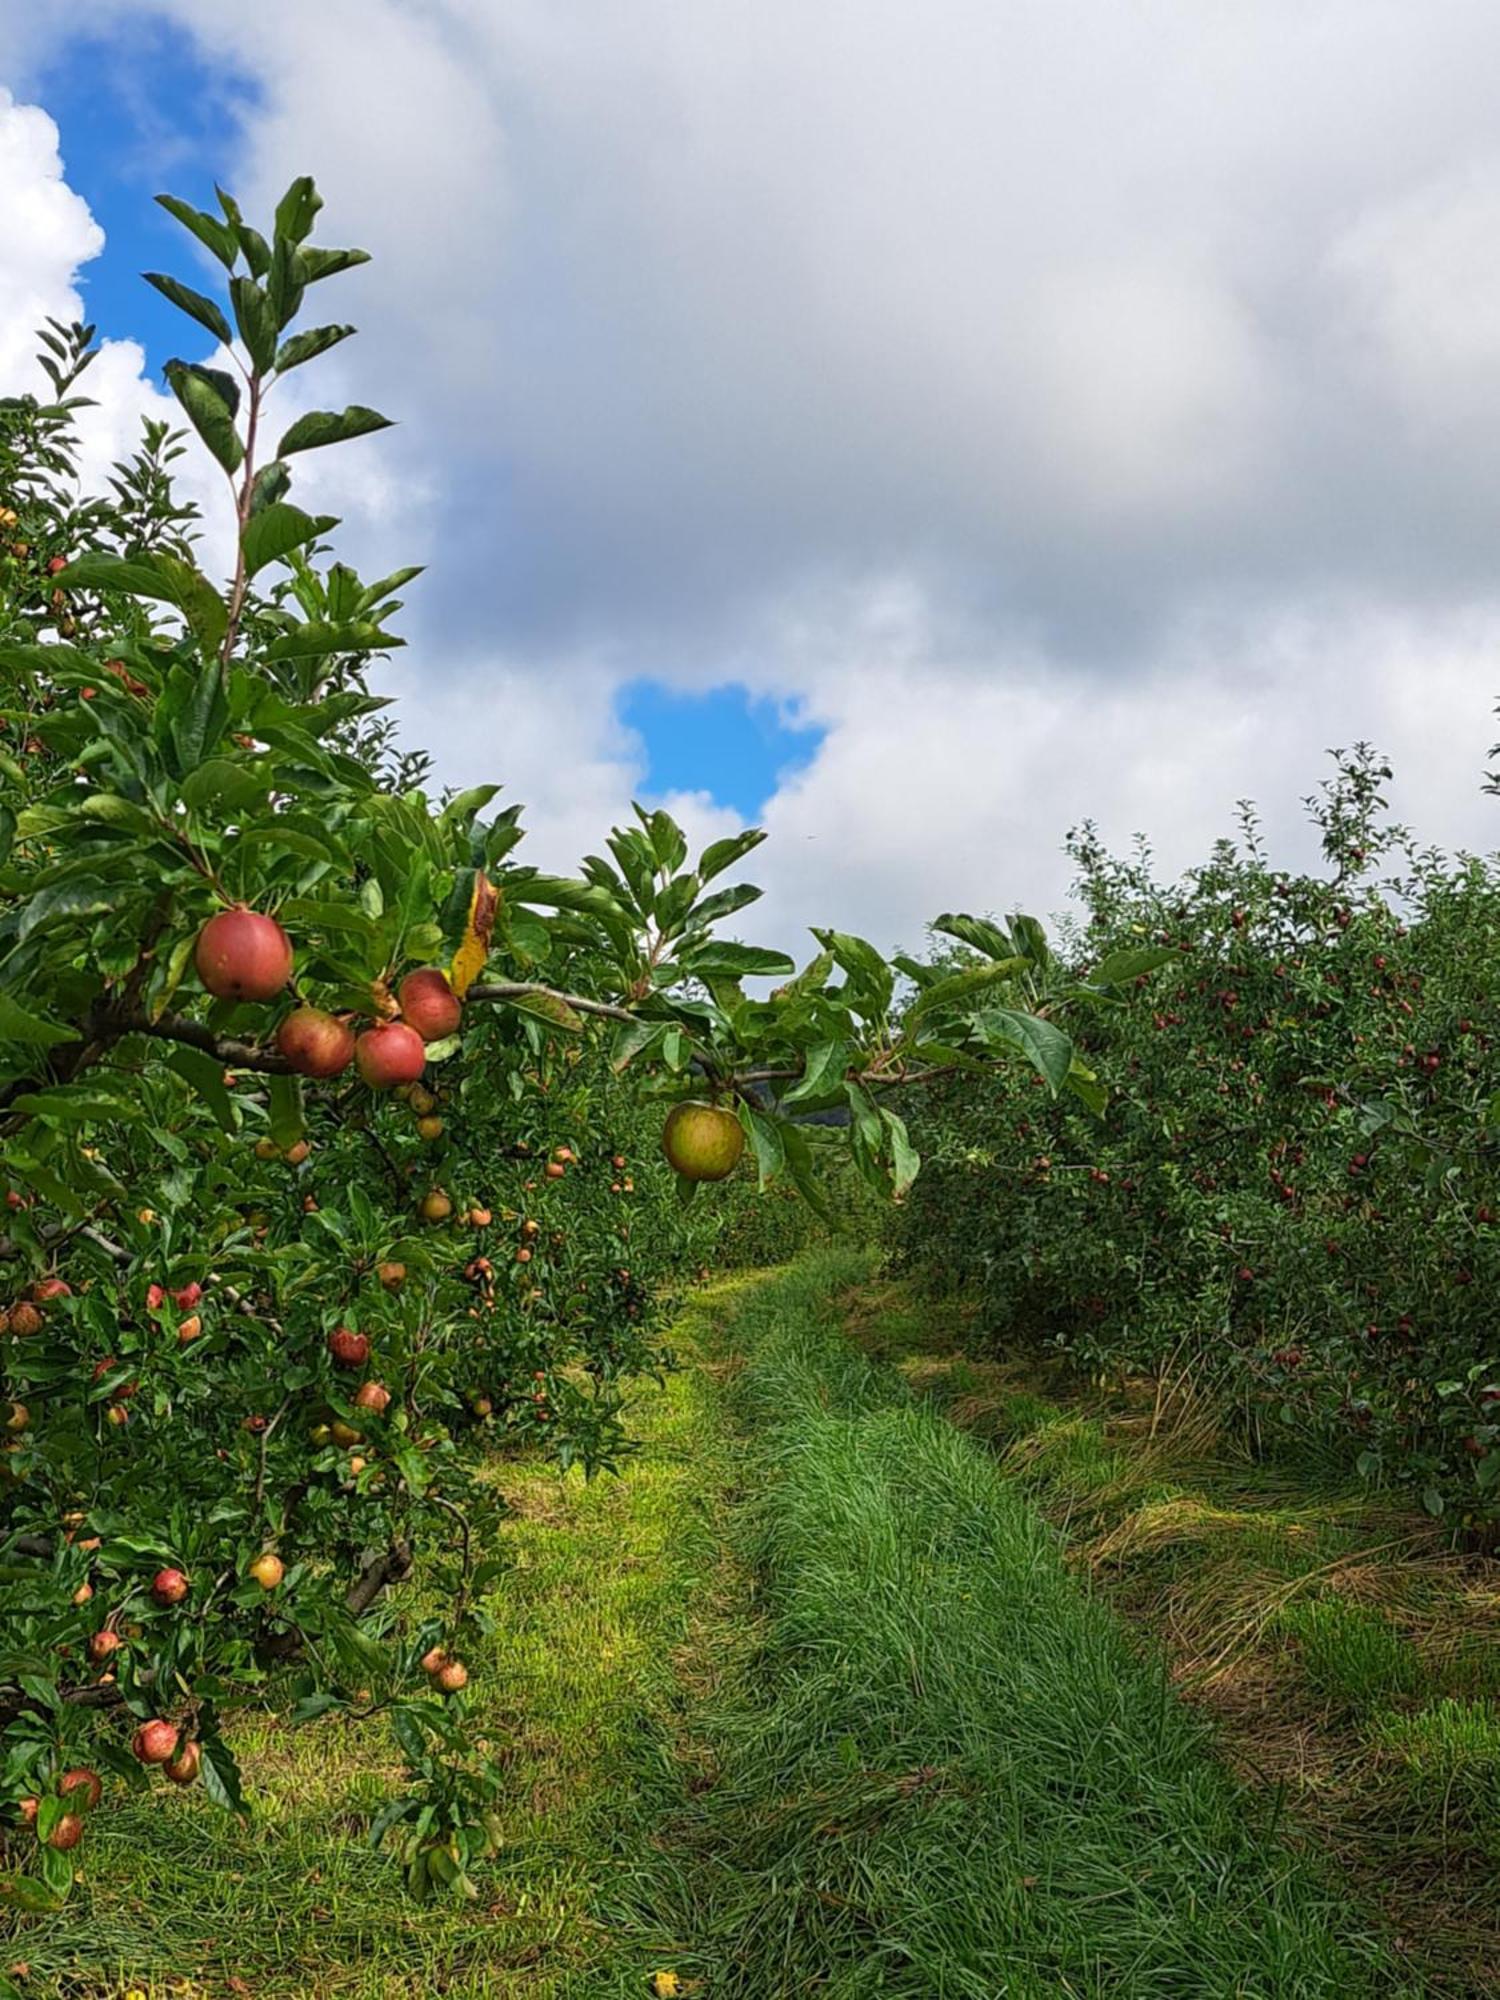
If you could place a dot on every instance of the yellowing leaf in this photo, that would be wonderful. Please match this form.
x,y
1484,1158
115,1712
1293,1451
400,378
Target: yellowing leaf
x,y
469,959
665,1984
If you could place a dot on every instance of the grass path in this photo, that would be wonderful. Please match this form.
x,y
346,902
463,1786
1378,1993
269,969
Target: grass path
x,y
804,1703
948,1771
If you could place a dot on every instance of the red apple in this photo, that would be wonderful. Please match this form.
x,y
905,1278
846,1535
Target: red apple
x,y
154,1742
67,1833
242,955
429,1004
87,1782
372,1396
184,1767
316,1043
389,1054
348,1348
169,1586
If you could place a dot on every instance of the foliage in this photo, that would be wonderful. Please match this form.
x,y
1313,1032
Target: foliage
x,y
1291,1200
263,1330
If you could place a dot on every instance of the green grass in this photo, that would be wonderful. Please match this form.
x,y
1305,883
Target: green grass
x,y
947,1771
1447,1760
612,1598
1351,1655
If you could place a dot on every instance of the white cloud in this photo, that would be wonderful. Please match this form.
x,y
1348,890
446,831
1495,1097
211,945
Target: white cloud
x,y
1083,412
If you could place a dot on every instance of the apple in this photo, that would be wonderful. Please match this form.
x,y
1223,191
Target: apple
x,y
268,1570
83,1593
451,1676
85,1781
429,1129
433,1660
27,1810
184,1767
392,1276
316,1043
372,1396
388,1054
480,1218
103,1644
67,1833
554,1170
345,1434
25,1320
296,1153
348,1348
155,1742
185,1297
702,1142
429,1004
243,955
17,1417
189,1329
169,1586
267,1149
435,1206
51,1288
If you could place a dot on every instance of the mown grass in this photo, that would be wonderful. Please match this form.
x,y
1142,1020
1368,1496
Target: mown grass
x,y
1349,1660
946,1770
613,1593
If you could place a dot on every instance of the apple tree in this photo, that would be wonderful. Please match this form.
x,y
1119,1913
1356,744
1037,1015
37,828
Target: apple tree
x,y
340,1147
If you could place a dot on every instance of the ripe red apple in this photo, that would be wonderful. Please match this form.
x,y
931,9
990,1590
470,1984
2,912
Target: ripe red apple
x,y
185,1297
184,1767
348,1348
242,955
103,1644
429,1004
154,1742
451,1676
268,1570
316,1043
372,1396
51,1288
388,1054
702,1142
169,1586
67,1833
85,1781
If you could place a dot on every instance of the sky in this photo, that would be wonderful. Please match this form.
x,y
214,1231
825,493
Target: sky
x,y
916,426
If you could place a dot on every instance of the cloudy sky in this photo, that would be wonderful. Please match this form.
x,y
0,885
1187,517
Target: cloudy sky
x,y
917,425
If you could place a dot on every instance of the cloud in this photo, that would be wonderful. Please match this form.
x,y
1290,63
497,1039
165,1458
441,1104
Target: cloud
x,y
1081,412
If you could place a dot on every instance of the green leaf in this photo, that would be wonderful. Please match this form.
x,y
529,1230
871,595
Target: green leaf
x,y
317,639
905,1160
278,529
220,1774
312,265
961,986
297,209
722,854
158,575
194,304
225,787
765,1139
24,1892
207,228
868,974
210,400
633,1039
320,427
205,1074
288,1115
255,320
307,346
1123,966
548,1007
978,933
1045,1046
200,714
822,1074
271,483
33,1031
720,959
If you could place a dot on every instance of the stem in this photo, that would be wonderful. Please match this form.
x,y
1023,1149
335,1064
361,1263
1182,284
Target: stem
x,y
241,521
